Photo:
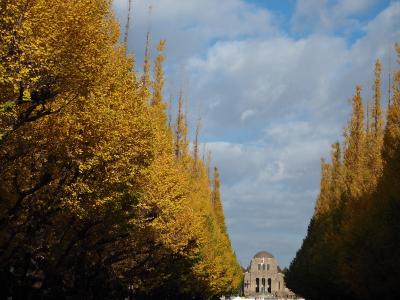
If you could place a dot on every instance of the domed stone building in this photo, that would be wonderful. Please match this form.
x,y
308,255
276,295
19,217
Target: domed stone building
x,y
263,277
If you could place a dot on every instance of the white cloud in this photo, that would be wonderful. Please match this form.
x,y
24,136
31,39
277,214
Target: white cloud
x,y
353,7
191,24
247,114
269,79
328,15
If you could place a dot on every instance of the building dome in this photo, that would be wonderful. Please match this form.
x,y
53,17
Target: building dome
x,y
263,254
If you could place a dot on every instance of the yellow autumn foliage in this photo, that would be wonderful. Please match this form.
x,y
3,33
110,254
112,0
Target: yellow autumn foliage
x,y
352,245
97,192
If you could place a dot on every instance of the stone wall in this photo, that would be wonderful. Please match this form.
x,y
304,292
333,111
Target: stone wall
x,y
263,273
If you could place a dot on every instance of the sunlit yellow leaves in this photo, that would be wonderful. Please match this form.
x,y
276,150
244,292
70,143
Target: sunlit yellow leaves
x,y
90,170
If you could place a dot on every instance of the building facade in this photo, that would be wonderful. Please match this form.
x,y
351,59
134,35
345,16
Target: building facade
x,y
263,277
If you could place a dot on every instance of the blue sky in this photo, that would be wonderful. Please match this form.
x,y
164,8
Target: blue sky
x,y
271,80
285,9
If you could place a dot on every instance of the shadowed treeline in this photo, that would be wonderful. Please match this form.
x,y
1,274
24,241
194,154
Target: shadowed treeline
x,y
352,247
97,192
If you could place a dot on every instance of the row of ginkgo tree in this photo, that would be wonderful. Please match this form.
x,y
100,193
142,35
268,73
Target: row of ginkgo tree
x,y
352,247
99,196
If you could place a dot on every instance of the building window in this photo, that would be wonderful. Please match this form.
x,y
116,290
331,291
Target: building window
x,y
267,266
263,266
259,266
247,284
269,285
257,285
